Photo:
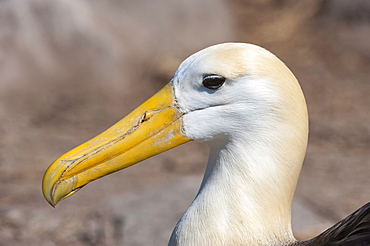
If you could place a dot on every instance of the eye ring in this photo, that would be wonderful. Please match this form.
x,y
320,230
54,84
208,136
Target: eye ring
x,y
213,81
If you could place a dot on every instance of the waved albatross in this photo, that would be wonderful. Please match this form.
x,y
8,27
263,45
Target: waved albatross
x,y
243,102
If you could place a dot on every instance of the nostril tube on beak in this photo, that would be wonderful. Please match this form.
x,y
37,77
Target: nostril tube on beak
x,y
146,116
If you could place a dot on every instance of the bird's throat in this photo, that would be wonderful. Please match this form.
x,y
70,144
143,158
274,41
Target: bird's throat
x,y
244,199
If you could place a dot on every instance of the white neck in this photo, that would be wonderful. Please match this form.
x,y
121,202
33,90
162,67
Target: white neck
x,y
246,194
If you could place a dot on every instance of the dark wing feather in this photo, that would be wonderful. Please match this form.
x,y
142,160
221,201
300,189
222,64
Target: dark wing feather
x,y
354,230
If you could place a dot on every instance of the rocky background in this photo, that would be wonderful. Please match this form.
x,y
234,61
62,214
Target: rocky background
x,y
71,68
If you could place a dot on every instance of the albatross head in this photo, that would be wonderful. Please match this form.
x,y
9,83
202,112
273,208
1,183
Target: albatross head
x,y
237,91
248,106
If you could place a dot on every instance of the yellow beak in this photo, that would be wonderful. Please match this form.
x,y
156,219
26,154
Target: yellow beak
x,y
152,128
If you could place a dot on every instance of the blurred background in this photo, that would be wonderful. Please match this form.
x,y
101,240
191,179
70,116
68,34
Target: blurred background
x,y
71,68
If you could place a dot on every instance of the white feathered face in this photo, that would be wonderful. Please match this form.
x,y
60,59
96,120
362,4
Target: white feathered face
x,y
219,97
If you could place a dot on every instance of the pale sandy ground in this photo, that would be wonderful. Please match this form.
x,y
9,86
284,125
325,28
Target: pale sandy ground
x,y
69,69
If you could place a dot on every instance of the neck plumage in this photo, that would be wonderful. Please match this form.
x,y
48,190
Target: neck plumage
x,y
246,194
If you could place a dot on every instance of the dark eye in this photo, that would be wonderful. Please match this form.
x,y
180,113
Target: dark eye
x,y
213,81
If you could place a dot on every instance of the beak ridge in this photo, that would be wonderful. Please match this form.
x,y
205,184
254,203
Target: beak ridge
x,y
152,128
